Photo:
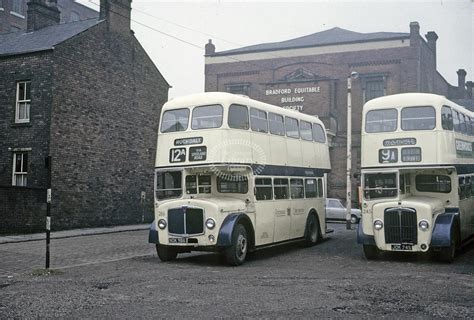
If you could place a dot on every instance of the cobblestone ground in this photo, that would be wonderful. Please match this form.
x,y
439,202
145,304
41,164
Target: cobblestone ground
x,y
119,276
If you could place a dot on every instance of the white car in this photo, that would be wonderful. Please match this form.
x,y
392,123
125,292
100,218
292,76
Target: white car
x,y
336,211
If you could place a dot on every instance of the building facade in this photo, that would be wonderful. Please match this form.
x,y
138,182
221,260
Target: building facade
x,y
309,74
86,94
14,13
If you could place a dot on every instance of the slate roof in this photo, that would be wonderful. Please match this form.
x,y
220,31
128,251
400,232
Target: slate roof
x,y
20,42
327,37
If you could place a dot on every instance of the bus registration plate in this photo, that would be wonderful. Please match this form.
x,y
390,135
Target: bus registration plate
x,y
177,240
402,247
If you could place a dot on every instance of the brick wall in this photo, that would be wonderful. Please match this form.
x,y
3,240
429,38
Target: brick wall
x,y
108,96
22,210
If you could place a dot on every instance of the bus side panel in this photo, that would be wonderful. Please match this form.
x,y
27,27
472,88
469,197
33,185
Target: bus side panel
x,y
441,236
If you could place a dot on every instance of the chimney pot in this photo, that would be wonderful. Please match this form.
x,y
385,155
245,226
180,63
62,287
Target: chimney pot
x,y
210,48
414,28
461,79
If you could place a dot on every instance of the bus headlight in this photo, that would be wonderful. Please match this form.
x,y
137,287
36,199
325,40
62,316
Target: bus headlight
x,y
424,225
378,224
161,224
210,223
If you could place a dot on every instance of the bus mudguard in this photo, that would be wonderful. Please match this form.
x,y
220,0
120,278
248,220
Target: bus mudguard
x,y
225,233
153,234
441,236
363,238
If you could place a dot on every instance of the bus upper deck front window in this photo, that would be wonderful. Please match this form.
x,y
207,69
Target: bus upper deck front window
x,y
168,184
175,120
380,185
206,117
418,118
384,120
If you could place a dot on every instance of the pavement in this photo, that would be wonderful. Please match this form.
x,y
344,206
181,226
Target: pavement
x,y
71,233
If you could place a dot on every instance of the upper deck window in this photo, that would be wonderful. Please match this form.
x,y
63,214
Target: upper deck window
x,y
318,133
456,121
206,117
384,120
291,126
462,121
306,132
175,120
277,125
258,120
418,118
447,118
238,117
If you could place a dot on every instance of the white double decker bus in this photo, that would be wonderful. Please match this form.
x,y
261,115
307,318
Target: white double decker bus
x,y
417,175
234,174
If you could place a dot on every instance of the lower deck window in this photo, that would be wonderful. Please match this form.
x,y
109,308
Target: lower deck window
x,y
297,189
311,190
168,185
263,189
380,185
280,187
232,184
433,183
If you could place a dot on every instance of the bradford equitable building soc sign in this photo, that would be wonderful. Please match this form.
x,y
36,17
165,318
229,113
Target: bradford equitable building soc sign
x,y
292,98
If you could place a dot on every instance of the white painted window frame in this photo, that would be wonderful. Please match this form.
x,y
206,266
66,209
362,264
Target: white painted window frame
x,y
20,100
19,173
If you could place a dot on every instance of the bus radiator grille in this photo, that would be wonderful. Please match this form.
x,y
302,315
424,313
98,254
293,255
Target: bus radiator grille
x,y
400,226
185,221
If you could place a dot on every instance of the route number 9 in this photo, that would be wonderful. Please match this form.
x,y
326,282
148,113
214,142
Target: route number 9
x,y
388,155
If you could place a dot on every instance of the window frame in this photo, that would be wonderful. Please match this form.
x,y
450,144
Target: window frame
x,y
310,131
256,129
417,129
297,128
204,106
383,120
22,173
294,185
286,186
449,126
163,118
306,191
266,186
281,133
23,100
248,116
315,136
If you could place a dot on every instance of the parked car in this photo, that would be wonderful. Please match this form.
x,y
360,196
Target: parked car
x,y
335,210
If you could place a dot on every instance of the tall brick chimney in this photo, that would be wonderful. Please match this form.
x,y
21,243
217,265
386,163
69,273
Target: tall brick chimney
x,y
117,13
431,36
461,79
42,13
414,30
210,48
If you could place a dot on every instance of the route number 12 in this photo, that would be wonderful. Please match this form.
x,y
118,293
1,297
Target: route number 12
x,y
178,155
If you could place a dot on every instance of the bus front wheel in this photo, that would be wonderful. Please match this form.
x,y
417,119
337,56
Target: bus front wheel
x,y
166,253
448,254
371,252
237,252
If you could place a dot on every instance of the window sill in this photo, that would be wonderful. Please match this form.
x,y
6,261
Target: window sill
x,y
16,14
21,125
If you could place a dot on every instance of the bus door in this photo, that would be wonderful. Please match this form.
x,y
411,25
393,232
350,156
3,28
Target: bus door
x,y
282,209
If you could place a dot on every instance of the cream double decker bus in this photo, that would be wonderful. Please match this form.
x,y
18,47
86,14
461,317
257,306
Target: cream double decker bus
x,y
417,175
234,174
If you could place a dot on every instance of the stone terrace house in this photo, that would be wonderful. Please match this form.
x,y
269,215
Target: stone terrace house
x,y
310,73
13,13
87,94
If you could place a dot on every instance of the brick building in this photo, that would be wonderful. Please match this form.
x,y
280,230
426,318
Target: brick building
x,y
87,94
310,73
14,13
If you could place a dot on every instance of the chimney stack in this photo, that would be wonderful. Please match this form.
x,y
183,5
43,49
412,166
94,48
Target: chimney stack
x,y
431,36
117,13
414,28
210,48
461,79
41,14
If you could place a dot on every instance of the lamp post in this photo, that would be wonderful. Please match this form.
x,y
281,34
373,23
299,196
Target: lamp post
x,y
354,75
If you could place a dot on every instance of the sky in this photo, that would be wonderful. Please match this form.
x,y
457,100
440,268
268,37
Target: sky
x,y
174,32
